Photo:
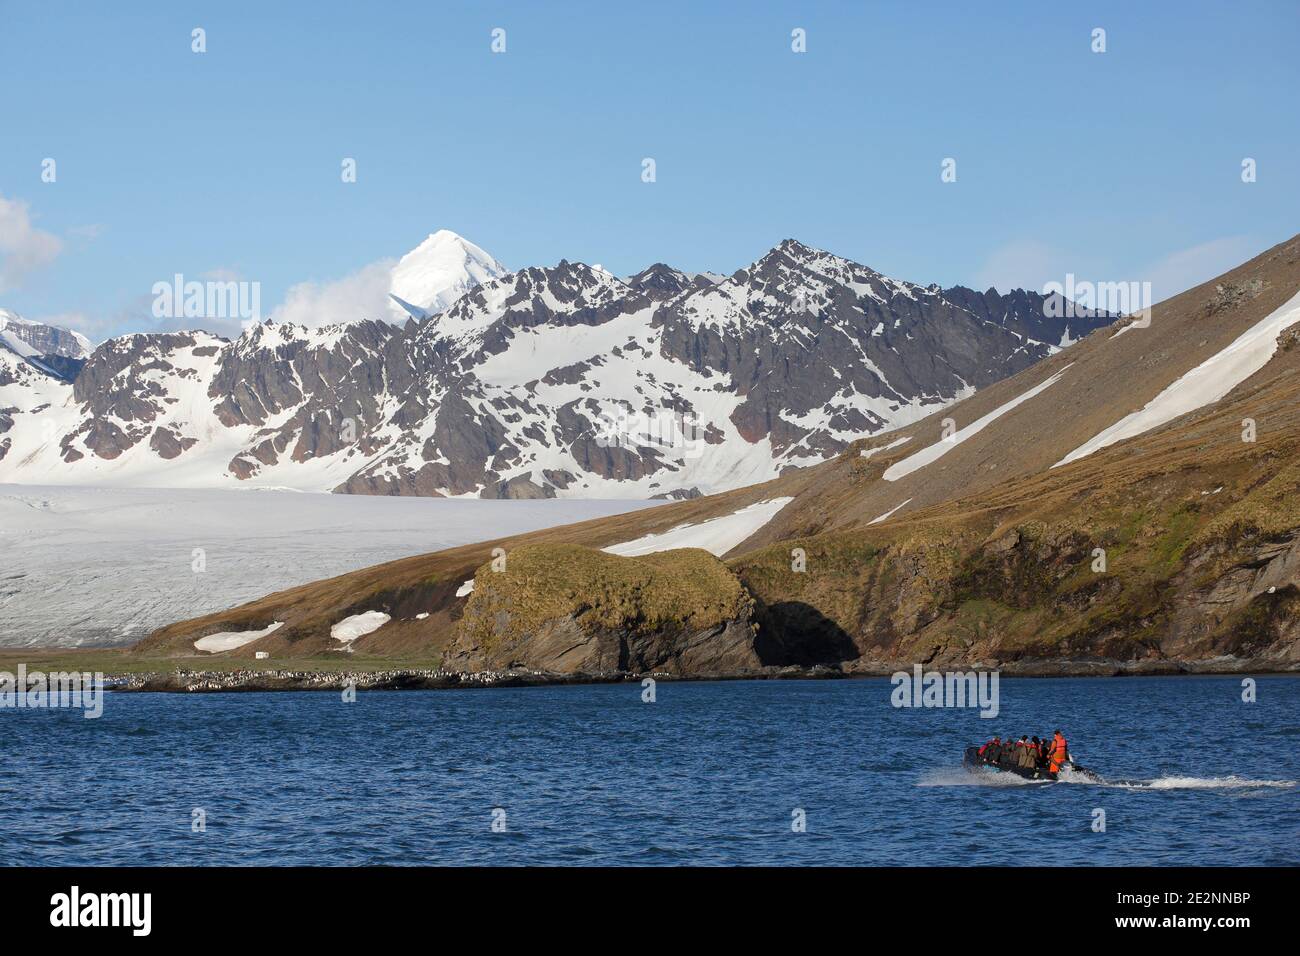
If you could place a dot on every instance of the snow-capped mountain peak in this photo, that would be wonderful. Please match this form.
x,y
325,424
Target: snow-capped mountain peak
x,y
661,282
496,310
38,338
559,380
437,272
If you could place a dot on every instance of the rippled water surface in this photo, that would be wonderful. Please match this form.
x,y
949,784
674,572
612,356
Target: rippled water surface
x,y
710,773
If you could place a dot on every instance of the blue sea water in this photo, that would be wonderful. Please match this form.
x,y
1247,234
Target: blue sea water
x,y
710,773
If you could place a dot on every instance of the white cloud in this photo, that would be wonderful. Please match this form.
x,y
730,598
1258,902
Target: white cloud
x,y
361,295
90,231
73,322
1031,264
1186,268
1023,264
23,248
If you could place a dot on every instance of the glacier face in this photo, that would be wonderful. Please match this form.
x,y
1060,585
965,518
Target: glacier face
x,y
108,565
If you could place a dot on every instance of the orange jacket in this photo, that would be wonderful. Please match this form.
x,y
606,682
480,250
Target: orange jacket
x,y
1059,752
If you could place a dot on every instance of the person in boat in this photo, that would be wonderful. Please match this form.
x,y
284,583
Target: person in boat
x,y
1058,754
1008,756
989,752
1025,756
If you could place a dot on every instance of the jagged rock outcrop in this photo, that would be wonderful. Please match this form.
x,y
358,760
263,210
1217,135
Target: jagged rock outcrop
x,y
1108,587
57,352
566,609
45,340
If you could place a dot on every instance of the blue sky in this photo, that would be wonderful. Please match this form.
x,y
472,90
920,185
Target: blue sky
x,y
1123,165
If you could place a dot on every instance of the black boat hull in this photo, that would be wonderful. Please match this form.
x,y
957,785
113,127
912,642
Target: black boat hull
x,y
973,760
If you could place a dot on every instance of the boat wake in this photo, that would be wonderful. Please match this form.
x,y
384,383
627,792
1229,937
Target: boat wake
x,y
982,777
1187,783
976,777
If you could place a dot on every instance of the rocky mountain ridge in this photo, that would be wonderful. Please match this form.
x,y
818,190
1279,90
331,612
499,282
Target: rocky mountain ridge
x,y
548,381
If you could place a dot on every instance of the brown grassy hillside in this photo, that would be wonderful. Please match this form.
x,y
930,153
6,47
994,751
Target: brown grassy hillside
x,y
990,554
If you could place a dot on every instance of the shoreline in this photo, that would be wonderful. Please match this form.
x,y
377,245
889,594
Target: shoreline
x,y
239,680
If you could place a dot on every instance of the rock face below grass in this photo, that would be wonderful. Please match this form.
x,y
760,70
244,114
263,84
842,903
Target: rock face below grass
x,y
1195,571
568,609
